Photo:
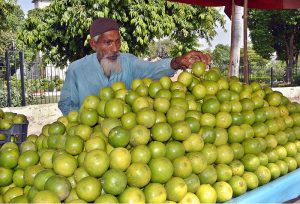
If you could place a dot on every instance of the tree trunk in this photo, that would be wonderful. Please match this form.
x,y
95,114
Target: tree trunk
x,y
236,40
289,69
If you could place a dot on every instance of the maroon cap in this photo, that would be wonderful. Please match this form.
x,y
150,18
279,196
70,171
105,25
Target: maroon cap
x,y
102,25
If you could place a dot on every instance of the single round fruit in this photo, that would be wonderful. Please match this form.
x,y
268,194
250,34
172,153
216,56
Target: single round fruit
x,y
106,198
138,175
206,194
251,162
45,197
96,162
139,135
114,181
118,137
176,189
132,195
59,185
263,174
224,154
274,170
238,185
224,191
251,180
9,158
65,165
237,168
140,153
88,189
192,182
161,170
157,149
208,175
198,68
155,193
182,167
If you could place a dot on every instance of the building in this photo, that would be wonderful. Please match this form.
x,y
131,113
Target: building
x,y
41,3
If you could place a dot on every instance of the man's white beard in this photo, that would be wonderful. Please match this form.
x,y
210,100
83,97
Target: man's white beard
x,y
110,66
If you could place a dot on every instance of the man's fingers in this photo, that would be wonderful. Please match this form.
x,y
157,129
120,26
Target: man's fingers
x,y
188,59
198,56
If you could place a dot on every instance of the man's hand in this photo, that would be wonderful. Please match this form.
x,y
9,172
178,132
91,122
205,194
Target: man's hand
x,y
186,61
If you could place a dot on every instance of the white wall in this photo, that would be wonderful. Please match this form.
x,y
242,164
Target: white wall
x,y
290,92
41,3
37,115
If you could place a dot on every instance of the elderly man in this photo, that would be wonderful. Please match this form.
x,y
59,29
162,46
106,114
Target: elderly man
x,y
87,75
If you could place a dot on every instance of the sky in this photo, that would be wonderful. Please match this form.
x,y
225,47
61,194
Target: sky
x,y
221,38
26,5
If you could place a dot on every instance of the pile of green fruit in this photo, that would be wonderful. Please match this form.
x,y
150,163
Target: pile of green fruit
x,y
201,139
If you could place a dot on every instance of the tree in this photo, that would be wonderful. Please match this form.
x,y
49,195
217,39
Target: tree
x,y
276,31
11,19
160,48
60,31
258,66
221,56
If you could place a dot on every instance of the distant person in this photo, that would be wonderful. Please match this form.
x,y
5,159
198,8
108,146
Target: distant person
x,y
87,75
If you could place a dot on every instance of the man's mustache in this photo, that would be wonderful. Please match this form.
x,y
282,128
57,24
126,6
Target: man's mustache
x,y
112,56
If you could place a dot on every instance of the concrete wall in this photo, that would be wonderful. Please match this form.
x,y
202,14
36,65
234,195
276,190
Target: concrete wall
x,y
38,115
290,92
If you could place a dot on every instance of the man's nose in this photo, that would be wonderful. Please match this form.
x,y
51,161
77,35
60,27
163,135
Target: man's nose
x,y
115,47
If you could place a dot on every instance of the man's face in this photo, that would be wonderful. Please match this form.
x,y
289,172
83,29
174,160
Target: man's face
x,y
108,45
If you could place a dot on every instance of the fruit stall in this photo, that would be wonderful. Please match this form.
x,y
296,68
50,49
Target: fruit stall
x,y
202,138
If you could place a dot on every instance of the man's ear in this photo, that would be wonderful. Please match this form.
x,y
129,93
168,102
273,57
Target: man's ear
x,y
93,44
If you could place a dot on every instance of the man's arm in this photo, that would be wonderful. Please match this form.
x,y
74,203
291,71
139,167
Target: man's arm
x,y
154,70
166,67
69,99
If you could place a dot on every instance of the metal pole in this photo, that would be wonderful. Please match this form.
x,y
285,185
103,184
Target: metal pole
x,y
21,58
8,73
15,59
271,77
231,38
246,76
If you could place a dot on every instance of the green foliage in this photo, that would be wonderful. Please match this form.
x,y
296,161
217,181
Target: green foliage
x,y
254,58
278,31
61,30
34,88
11,19
16,93
160,48
221,56
272,30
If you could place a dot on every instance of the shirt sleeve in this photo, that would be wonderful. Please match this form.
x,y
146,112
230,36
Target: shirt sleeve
x,y
154,70
69,99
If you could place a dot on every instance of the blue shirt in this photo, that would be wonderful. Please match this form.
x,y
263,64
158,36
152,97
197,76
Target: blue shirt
x,y
85,77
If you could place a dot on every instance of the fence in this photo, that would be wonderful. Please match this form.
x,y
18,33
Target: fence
x,y
26,83
272,76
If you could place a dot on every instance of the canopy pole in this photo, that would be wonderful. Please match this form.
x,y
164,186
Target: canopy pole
x,y
231,38
246,72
